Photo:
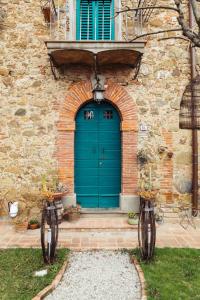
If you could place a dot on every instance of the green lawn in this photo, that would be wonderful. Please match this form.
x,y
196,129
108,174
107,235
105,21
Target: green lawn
x,y
16,272
173,275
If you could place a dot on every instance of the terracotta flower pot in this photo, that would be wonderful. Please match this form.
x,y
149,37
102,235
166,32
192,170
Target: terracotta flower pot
x,y
33,226
21,226
169,197
73,216
132,221
58,195
3,213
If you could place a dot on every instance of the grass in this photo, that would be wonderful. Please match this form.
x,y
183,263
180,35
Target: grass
x,y
17,267
174,274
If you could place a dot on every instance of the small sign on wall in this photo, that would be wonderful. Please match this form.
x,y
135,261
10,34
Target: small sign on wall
x,y
143,130
143,127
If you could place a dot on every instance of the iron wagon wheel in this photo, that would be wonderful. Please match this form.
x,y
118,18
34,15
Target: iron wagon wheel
x,y
153,233
140,233
54,234
43,234
49,237
146,231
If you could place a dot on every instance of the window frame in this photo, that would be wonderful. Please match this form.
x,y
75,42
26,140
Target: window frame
x,y
73,23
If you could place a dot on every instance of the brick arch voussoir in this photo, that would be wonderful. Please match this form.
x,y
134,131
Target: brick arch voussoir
x,y
81,92
120,97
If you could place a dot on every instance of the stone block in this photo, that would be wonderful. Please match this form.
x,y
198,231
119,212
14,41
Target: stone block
x,y
183,158
4,71
69,200
20,112
129,203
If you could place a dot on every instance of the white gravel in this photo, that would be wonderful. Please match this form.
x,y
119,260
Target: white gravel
x,y
100,275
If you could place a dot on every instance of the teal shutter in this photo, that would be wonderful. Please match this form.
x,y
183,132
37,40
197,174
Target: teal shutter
x,y
94,20
105,20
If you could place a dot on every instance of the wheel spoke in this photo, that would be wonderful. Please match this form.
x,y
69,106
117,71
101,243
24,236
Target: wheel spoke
x,y
146,230
49,237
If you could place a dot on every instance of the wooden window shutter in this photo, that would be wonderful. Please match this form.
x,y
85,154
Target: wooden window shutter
x,y
94,20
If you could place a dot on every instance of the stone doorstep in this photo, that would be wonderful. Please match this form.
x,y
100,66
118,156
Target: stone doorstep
x,y
97,223
95,226
97,229
5,220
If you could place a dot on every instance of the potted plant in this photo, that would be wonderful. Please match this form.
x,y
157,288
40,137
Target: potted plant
x,y
132,218
21,223
148,194
33,224
72,213
54,190
21,220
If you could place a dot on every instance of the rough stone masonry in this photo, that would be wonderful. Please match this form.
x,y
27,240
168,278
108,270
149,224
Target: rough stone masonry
x,y
31,101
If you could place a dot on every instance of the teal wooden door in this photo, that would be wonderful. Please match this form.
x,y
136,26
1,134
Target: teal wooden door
x,y
98,156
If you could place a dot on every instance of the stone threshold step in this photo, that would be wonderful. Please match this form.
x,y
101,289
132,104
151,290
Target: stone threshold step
x,y
133,228
5,220
90,213
92,224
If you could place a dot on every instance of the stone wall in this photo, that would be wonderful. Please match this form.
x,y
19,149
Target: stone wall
x,y
31,100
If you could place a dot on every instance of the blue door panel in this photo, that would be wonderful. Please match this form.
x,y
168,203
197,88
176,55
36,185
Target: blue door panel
x,y
90,127
109,171
109,181
91,172
109,201
107,155
98,156
87,163
112,164
87,180
90,136
90,201
85,154
81,190
108,190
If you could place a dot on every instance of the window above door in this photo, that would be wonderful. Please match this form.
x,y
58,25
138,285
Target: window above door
x,y
87,32
95,20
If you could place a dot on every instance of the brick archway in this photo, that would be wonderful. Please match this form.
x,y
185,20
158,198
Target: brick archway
x,y
77,95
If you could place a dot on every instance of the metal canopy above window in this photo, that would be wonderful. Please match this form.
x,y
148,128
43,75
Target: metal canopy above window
x,y
90,53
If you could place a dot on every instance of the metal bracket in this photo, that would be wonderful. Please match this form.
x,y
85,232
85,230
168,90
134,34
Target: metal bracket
x,y
137,67
53,67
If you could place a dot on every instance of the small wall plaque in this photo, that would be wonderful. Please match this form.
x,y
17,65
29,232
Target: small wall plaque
x,y
143,127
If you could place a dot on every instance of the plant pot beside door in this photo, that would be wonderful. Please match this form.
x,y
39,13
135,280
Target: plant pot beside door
x,y
33,224
21,225
72,213
132,218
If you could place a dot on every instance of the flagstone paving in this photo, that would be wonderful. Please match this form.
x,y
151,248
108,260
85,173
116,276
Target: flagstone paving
x,y
102,237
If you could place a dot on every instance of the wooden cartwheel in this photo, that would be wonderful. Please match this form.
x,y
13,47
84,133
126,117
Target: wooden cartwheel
x,y
146,229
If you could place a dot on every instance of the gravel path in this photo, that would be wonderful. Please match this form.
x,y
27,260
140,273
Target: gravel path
x,y
99,275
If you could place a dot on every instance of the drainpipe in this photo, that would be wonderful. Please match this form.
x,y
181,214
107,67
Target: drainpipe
x,y
194,131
